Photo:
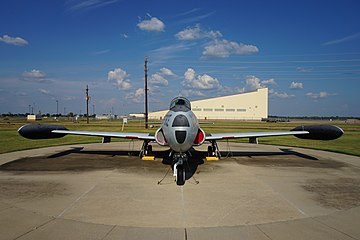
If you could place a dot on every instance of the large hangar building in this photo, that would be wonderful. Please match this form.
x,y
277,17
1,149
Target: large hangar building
x,y
249,106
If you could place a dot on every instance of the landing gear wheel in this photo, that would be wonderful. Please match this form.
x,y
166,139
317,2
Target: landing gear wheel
x,y
180,175
148,150
211,151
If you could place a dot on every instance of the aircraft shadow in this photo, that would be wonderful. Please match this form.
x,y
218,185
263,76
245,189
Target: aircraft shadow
x,y
195,153
119,159
285,152
195,157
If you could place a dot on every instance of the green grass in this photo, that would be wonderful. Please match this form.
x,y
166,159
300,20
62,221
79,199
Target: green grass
x,y
349,143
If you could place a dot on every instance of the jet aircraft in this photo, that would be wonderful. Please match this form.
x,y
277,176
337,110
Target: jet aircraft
x,y
180,131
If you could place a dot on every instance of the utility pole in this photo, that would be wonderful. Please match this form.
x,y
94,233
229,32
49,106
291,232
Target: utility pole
x,y
87,104
146,96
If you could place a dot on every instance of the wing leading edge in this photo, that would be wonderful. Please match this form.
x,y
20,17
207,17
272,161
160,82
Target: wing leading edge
x,y
220,136
129,135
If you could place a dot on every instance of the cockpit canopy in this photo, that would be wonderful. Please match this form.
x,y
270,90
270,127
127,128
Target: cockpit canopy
x,y
180,104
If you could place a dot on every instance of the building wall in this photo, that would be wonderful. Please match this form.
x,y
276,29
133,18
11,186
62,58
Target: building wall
x,y
244,106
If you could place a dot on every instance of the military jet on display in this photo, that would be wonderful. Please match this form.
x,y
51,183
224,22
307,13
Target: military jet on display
x,y
180,131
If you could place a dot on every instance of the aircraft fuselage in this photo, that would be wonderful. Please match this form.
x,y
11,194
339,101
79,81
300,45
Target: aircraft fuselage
x,y
180,128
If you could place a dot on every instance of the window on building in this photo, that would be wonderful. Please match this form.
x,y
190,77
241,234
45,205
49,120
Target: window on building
x,y
219,109
196,109
241,110
230,110
208,109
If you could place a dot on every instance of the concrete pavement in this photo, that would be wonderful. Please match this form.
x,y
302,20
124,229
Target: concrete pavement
x,y
98,191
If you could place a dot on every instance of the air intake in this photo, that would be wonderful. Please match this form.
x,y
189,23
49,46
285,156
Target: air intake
x,y
180,136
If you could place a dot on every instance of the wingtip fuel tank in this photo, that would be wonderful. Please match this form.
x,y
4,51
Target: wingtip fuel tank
x,y
319,132
40,131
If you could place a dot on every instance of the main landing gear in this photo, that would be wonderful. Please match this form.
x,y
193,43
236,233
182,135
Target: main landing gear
x,y
213,152
146,152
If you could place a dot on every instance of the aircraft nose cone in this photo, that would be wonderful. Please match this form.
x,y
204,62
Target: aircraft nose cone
x,y
180,136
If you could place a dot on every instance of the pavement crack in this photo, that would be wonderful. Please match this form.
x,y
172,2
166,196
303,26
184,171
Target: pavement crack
x,y
263,232
335,229
108,233
34,228
76,201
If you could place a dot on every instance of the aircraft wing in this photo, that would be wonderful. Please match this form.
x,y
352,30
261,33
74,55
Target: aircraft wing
x,y
220,136
130,135
314,132
46,131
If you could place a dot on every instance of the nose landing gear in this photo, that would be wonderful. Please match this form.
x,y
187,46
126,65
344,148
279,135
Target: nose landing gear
x,y
179,170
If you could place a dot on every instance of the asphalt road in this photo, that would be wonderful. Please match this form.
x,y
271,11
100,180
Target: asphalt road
x,y
104,191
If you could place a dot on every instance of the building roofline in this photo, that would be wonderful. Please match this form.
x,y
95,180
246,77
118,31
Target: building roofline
x,y
232,95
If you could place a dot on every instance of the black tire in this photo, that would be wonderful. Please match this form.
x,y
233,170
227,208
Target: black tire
x,y
149,150
211,151
180,178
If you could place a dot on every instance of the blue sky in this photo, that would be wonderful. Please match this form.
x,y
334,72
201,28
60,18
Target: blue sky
x,y
306,52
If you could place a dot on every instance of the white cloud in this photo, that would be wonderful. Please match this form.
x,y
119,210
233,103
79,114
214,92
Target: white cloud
x,y
192,92
158,80
34,74
270,81
154,24
167,72
17,41
189,74
137,96
224,48
101,52
226,90
170,51
296,85
79,5
320,95
281,95
200,82
195,32
304,69
213,34
253,83
189,33
120,78
196,18
344,39
44,91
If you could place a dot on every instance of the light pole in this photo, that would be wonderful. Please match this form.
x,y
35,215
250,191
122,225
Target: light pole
x,y
57,108
146,92
87,104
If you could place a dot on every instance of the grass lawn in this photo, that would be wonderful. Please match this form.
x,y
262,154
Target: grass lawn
x,y
349,143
